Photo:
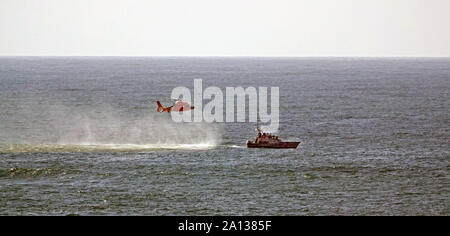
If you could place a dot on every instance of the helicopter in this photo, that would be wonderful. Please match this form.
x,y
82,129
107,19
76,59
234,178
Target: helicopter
x,y
178,106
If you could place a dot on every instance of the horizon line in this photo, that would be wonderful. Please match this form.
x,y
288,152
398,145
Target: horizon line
x,y
230,56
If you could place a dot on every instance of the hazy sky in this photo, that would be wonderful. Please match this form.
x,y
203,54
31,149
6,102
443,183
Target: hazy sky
x,y
225,28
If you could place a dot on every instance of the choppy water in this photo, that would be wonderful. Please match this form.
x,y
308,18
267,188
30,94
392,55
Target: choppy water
x,y
80,136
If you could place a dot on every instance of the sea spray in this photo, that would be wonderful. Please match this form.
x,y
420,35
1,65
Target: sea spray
x,y
94,125
151,129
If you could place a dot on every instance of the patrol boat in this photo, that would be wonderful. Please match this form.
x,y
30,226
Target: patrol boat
x,y
266,140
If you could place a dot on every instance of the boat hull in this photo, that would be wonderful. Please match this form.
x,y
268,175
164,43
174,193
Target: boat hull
x,y
277,145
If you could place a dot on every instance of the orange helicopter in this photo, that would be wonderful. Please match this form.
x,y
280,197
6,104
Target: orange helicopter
x,y
178,106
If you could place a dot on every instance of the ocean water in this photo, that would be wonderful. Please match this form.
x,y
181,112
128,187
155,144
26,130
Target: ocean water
x,y
80,136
